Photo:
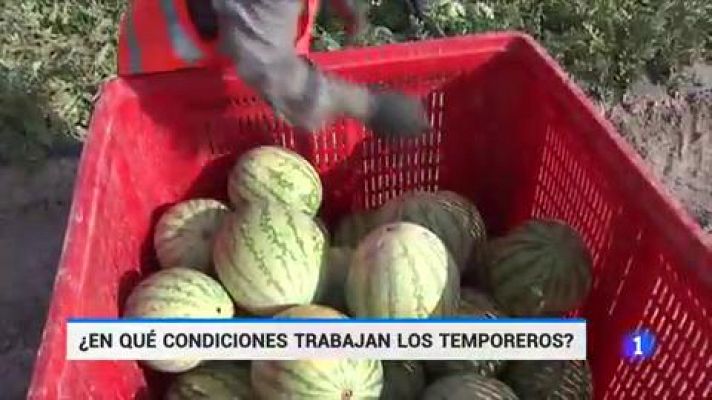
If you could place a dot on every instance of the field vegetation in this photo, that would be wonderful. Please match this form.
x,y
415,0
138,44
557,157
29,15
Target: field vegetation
x,y
54,53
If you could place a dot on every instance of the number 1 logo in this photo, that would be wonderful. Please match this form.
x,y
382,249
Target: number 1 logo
x,y
639,345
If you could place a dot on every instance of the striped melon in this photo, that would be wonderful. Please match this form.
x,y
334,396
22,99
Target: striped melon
x,y
333,279
402,380
307,379
275,174
476,303
542,268
178,293
184,234
550,379
354,227
269,257
468,387
402,270
455,220
311,311
473,303
215,380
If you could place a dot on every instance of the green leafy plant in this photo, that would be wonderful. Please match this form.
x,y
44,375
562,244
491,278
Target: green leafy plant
x,y
605,44
62,48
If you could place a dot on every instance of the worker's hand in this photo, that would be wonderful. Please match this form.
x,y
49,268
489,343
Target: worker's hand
x,y
393,114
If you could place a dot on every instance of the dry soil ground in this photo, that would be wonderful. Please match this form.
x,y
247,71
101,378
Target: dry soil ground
x,y
33,210
673,134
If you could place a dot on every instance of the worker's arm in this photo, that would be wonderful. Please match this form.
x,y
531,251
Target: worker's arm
x,y
259,35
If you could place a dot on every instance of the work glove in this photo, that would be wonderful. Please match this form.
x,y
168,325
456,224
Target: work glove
x,y
395,115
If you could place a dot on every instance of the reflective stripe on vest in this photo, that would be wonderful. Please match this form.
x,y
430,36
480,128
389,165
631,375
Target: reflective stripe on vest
x,y
181,43
158,36
132,50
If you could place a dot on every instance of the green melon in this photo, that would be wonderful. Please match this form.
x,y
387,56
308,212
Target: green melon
x,y
436,369
468,387
215,380
455,220
402,380
473,221
305,379
473,303
402,270
178,293
269,257
333,280
311,311
184,234
550,379
275,174
542,268
354,227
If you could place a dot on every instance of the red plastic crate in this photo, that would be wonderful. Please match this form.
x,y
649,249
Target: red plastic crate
x,y
510,131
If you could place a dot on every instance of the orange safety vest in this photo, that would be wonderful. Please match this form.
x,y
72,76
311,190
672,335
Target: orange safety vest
x,y
159,36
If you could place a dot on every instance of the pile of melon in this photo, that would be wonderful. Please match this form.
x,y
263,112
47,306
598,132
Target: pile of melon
x,y
268,254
